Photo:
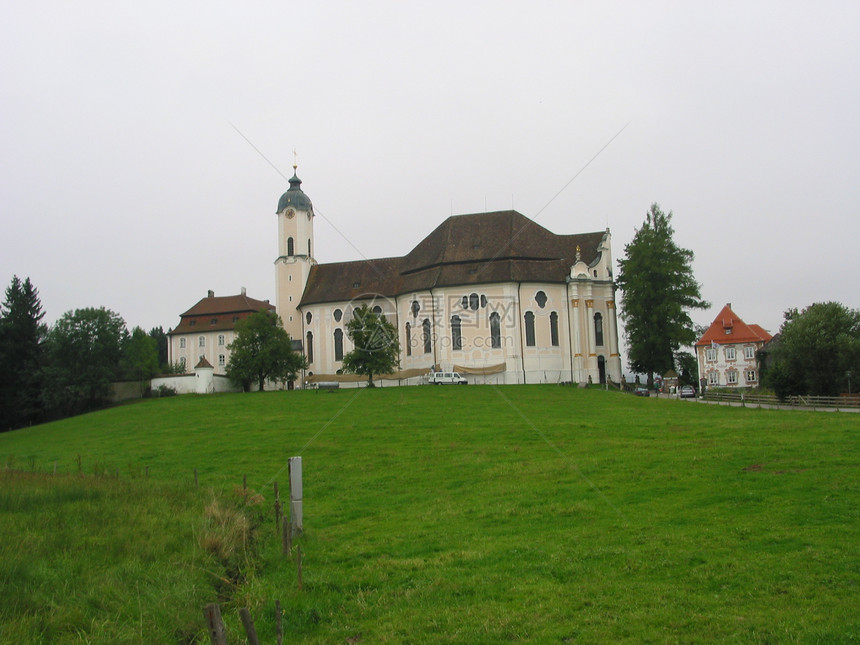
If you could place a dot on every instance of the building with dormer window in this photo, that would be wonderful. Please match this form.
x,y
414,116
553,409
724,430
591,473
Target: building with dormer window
x,y
727,352
205,331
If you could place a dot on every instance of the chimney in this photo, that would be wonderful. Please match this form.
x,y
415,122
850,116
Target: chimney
x,y
243,291
211,294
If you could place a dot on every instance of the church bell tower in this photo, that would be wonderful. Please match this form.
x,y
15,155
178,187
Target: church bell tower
x,y
295,254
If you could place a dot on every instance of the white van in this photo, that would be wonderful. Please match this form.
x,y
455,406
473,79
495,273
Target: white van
x,y
440,378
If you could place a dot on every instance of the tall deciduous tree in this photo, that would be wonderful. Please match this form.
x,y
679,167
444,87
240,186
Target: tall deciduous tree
x,y
817,351
658,291
377,349
262,351
22,334
84,352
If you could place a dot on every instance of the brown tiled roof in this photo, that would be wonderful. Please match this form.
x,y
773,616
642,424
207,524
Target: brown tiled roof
x,y
221,310
483,248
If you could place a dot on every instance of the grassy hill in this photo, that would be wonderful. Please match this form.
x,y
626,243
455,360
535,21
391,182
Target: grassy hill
x,y
450,515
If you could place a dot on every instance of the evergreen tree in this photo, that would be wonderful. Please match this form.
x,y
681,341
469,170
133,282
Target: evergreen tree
x,y
139,355
262,351
658,290
84,350
160,338
377,349
22,335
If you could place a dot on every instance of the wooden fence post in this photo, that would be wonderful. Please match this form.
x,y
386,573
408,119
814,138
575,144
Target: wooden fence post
x,y
248,623
217,634
277,509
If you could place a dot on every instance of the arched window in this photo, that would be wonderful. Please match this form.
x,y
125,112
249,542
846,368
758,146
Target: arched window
x,y
377,310
408,339
456,336
338,314
530,329
181,343
553,328
540,299
290,250
428,344
220,340
201,341
598,329
474,302
415,308
309,350
338,344
309,317
309,247
495,330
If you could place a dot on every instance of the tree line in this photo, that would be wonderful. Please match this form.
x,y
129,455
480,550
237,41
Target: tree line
x,y
50,372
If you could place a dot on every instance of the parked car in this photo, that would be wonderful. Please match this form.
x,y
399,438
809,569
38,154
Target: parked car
x,y
443,378
641,391
687,392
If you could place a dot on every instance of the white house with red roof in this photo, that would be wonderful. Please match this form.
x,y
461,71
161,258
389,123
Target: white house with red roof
x,y
206,330
727,351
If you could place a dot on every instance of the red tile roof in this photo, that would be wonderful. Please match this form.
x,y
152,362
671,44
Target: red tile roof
x,y
216,313
740,332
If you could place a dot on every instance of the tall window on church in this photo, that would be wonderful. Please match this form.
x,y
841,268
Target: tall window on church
x,y
553,328
338,344
310,347
598,329
309,248
290,249
495,330
456,334
408,339
428,345
530,329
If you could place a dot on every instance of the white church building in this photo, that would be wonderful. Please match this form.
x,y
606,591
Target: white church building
x,y
494,296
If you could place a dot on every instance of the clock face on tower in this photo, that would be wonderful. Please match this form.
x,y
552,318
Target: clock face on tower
x,y
291,213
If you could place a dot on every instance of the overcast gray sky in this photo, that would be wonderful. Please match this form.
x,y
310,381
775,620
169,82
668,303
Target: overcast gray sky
x,y
126,185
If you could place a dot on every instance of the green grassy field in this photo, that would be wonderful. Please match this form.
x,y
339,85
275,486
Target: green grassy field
x,y
440,515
